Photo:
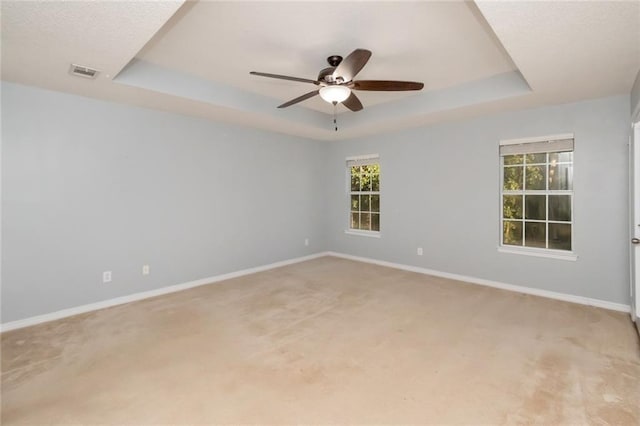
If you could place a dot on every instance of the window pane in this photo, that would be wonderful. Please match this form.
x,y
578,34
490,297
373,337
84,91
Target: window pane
x,y
365,221
534,234
355,178
355,220
365,168
375,182
365,182
557,157
560,207
513,159
560,236
512,178
355,203
375,222
375,203
536,158
512,233
536,177
512,206
535,207
561,176
364,203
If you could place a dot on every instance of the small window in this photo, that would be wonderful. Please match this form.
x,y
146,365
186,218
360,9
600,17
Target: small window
x,y
364,193
536,194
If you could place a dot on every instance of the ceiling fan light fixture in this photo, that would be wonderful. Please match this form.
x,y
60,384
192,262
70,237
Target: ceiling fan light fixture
x,y
335,83
333,94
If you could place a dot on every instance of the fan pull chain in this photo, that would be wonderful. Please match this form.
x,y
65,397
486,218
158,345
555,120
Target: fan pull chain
x,y
335,123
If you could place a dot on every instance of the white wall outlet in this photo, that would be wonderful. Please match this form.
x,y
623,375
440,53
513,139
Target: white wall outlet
x,y
419,251
306,241
106,277
145,269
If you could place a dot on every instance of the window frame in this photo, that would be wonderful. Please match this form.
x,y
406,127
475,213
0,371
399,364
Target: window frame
x,y
537,251
362,160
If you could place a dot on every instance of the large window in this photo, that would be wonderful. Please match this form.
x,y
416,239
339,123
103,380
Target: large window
x,y
364,193
537,194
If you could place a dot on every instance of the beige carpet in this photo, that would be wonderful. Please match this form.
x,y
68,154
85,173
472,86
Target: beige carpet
x,y
328,341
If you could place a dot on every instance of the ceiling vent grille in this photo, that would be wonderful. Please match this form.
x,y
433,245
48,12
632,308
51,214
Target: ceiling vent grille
x,y
82,71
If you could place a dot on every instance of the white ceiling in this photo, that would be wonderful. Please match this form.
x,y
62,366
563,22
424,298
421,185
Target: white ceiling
x,y
194,58
297,40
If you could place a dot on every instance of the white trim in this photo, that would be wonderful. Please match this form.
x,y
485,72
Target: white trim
x,y
539,253
634,219
363,157
370,234
537,139
26,322
369,159
495,284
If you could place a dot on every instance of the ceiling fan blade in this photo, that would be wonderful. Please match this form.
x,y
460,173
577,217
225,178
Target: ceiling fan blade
x,y
300,99
352,102
284,77
387,85
352,64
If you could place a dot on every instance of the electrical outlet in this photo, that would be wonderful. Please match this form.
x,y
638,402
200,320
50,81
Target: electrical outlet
x,y
106,277
419,251
306,241
145,269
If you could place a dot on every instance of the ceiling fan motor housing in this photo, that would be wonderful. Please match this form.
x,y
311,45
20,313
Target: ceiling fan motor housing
x,y
326,75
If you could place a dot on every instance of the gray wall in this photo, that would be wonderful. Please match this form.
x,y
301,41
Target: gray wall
x,y
89,186
431,175
635,99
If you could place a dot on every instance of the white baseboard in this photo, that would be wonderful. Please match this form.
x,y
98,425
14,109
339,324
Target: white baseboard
x,y
510,287
13,325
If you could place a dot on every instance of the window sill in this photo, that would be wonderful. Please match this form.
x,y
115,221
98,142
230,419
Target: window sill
x,y
550,254
370,234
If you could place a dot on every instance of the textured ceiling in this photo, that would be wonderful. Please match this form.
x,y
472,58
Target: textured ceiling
x,y
40,39
193,58
569,49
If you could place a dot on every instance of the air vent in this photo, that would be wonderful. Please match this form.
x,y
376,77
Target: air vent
x,y
82,71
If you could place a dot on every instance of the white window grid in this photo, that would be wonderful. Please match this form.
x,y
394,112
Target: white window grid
x,y
524,192
363,161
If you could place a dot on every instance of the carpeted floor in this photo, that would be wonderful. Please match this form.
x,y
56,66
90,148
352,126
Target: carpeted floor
x,y
328,341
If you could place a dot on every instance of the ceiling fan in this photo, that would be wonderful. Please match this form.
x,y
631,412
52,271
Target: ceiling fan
x,y
337,84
